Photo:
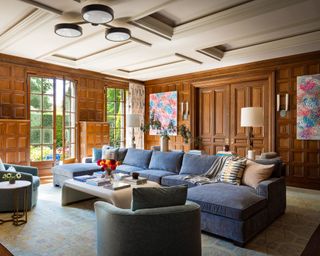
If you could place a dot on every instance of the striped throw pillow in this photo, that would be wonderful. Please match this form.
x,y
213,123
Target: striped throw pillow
x,y
233,170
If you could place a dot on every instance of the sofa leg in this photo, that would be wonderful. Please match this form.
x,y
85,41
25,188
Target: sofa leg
x,y
239,244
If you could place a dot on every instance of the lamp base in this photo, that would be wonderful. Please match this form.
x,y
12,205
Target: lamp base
x,y
251,154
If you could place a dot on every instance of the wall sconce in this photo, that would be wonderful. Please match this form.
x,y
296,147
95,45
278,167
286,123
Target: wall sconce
x,y
184,111
283,111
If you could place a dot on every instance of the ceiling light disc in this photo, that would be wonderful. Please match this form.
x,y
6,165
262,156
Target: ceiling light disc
x,y
68,30
97,13
118,34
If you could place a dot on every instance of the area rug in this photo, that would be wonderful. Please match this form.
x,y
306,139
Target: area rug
x,y
53,230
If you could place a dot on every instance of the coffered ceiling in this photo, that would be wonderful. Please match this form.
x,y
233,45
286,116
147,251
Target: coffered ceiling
x,y
170,37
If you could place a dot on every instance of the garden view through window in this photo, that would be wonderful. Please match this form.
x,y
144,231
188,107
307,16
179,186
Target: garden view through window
x,y
53,119
115,115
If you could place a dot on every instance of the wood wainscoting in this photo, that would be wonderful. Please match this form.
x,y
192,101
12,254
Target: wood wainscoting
x,y
218,115
225,90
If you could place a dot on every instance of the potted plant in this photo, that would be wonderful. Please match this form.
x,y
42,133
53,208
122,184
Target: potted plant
x,y
185,133
12,177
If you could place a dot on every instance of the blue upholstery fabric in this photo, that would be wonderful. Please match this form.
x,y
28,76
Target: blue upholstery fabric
x,y
195,164
138,157
236,202
277,170
27,173
174,180
154,175
169,161
71,170
236,230
96,154
128,169
275,190
168,231
143,198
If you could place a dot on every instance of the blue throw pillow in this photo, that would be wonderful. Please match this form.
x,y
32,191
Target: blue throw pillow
x,y
169,161
196,164
143,198
138,157
96,154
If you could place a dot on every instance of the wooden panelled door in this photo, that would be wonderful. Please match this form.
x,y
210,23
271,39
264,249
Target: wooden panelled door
x,y
214,118
219,116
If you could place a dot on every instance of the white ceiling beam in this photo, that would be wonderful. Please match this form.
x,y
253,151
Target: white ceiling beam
x,y
43,7
232,15
151,10
23,27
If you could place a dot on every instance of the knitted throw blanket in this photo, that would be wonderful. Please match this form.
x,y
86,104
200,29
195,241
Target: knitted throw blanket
x,y
212,175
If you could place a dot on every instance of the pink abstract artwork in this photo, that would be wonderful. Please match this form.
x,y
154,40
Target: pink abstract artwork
x,y
308,107
163,108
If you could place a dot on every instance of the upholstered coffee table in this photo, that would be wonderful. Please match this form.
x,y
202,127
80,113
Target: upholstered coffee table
x,y
74,191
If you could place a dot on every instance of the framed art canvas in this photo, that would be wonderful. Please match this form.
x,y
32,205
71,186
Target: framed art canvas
x,y
308,107
163,110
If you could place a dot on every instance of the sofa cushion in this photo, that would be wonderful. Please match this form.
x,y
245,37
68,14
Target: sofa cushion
x,y
71,170
168,161
233,170
111,153
138,157
128,169
255,173
196,164
154,175
147,197
121,154
96,154
235,202
173,180
277,170
2,167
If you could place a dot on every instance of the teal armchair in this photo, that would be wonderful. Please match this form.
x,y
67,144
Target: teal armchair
x,y
164,231
28,173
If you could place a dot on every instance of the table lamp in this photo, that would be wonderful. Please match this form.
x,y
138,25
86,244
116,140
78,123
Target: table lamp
x,y
133,121
251,117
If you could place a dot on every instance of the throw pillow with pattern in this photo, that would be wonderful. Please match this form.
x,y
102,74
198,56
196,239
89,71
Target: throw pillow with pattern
x,y
233,170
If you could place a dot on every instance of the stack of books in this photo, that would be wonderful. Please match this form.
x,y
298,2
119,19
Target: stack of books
x,y
98,181
83,178
138,181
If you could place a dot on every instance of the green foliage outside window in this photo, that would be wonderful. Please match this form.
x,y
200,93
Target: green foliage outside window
x,y
115,115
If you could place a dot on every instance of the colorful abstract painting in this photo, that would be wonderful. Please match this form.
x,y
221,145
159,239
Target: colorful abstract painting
x,y
308,107
163,110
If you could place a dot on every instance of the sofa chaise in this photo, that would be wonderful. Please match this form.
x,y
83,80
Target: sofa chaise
x,y
236,212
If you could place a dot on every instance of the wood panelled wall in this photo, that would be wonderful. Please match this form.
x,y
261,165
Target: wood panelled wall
x,y
14,101
302,157
184,92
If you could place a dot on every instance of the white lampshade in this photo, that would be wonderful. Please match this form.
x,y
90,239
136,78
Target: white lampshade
x,y
133,120
252,117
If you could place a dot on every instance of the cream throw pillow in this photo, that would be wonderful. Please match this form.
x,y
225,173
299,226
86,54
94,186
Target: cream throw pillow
x,y
2,167
255,173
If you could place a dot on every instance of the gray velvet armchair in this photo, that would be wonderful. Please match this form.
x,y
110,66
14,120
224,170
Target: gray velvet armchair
x,y
163,231
28,173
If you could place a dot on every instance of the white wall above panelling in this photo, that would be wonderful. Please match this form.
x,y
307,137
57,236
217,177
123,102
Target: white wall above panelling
x,y
245,30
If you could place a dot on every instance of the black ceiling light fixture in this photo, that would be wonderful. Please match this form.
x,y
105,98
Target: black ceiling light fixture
x,y
118,34
95,14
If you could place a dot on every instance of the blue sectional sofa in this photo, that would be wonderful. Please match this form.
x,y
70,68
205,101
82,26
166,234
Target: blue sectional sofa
x,y
235,212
